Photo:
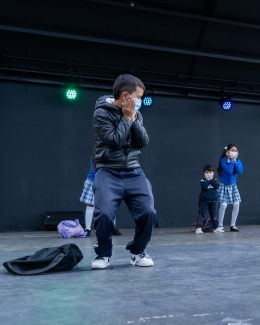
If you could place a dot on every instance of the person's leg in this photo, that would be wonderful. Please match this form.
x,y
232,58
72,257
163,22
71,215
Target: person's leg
x,y
88,216
87,197
108,191
234,213
203,208
212,213
221,213
140,202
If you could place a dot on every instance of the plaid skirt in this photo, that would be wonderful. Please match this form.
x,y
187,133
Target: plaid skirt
x,y
228,194
87,195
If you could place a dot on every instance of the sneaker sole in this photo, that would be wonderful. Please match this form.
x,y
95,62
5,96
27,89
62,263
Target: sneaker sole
x,y
132,263
99,268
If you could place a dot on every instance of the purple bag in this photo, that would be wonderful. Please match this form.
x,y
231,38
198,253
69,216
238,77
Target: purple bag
x,y
70,228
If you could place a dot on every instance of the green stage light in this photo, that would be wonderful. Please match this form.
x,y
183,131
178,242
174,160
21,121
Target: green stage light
x,y
71,93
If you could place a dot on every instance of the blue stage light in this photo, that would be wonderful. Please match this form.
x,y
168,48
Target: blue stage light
x,y
226,103
148,100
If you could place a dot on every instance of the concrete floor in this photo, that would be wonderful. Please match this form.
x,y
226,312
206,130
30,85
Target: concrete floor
x,y
197,279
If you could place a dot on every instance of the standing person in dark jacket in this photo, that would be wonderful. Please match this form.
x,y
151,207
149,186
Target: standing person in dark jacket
x,y
120,135
208,200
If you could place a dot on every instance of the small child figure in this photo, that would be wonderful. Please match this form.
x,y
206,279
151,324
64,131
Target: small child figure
x,y
208,200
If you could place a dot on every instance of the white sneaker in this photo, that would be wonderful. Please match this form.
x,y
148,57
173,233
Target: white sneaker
x,y
100,263
222,228
141,260
219,229
199,231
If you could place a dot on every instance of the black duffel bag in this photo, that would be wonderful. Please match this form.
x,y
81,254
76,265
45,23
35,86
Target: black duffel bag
x,y
54,259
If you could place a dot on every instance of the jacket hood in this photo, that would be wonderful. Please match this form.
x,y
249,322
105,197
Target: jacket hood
x,y
106,102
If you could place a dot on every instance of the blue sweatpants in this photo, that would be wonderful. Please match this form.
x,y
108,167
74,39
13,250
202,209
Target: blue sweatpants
x,y
110,187
204,206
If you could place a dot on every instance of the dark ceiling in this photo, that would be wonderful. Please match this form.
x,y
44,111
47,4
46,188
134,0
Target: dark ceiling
x,y
180,47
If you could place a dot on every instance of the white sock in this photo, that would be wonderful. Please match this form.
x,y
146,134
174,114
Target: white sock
x,y
88,217
234,213
221,214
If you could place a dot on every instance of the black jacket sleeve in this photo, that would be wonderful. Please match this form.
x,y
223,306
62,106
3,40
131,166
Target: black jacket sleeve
x,y
204,184
111,135
215,183
139,134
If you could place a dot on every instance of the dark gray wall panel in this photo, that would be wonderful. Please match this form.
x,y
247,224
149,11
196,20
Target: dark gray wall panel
x,y
46,142
185,135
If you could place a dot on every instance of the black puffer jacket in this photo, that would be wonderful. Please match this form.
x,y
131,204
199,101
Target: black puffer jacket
x,y
118,140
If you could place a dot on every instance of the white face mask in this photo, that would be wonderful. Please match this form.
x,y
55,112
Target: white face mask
x,y
138,103
233,154
208,175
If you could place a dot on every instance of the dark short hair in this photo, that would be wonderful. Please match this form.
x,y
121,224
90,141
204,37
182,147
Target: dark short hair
x,y
126,82
208,168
